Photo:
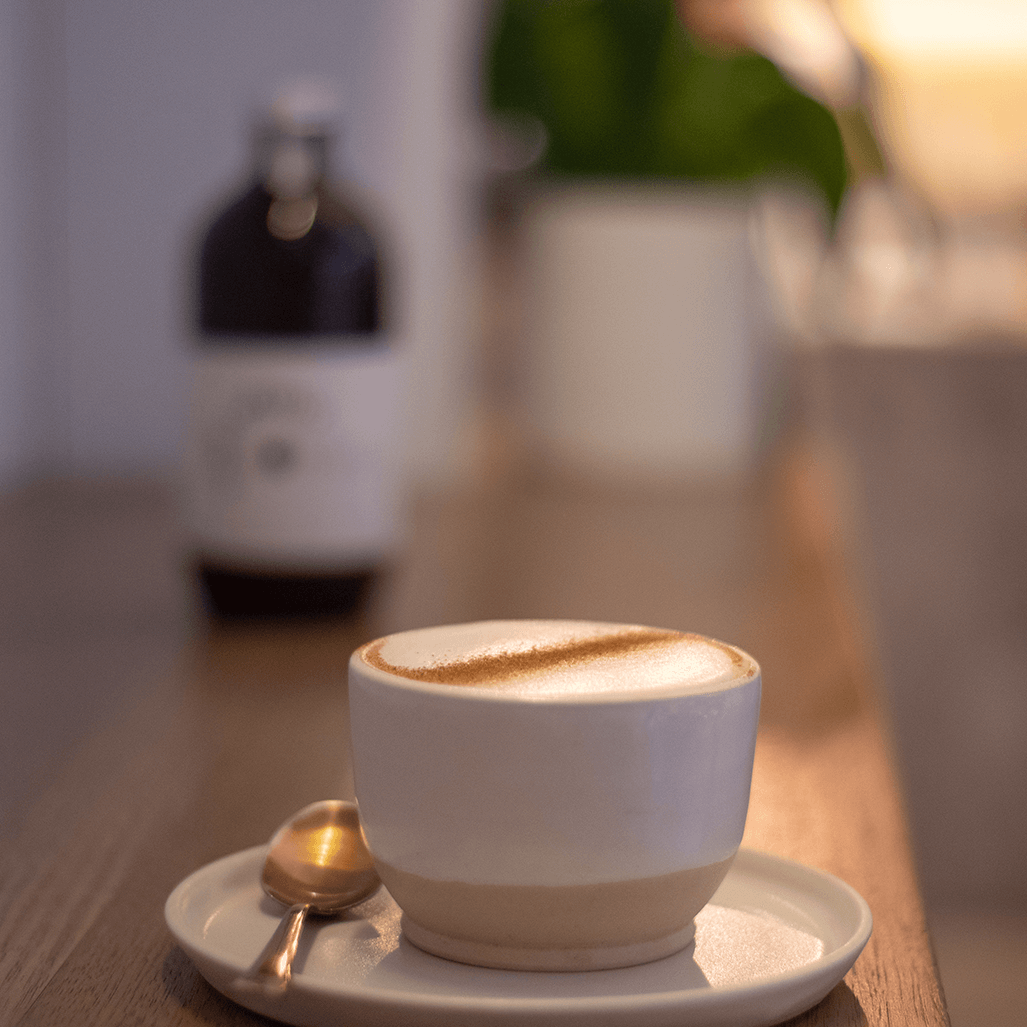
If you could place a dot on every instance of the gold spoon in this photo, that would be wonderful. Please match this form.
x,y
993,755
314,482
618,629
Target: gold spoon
x,y
317,863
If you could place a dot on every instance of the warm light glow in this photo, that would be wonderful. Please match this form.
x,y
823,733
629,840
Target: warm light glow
x,y
950,88
940,28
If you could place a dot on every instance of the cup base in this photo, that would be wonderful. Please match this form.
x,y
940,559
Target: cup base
x,y
501,957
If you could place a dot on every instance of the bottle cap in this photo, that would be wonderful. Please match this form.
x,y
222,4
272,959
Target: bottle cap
x,y
307,105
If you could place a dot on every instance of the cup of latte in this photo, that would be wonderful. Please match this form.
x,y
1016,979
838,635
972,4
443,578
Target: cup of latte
x,y
552,795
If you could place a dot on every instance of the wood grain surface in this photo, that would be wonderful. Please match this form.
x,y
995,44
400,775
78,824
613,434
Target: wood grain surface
x,y
249,724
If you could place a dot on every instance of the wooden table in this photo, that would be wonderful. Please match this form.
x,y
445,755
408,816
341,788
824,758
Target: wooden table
x,y
250,725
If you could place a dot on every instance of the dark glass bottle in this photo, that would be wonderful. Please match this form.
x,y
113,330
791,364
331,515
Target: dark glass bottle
x,y
291,463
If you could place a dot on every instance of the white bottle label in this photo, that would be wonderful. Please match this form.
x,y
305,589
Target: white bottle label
x,y
292,454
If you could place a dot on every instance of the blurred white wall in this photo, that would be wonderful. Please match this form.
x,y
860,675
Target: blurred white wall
x,y
122,123
30,169
11,373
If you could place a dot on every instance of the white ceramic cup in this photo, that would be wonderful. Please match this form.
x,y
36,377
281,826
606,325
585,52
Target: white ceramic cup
x,y
552,795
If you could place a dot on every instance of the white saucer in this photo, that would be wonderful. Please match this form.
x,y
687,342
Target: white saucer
x,y
775,939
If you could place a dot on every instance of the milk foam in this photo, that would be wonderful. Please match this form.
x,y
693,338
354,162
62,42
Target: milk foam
x,y
543,658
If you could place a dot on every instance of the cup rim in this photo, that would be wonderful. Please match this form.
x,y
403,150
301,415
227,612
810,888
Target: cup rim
x,y
748,672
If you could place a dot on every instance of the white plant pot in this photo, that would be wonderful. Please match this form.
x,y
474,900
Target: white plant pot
x,y
642,341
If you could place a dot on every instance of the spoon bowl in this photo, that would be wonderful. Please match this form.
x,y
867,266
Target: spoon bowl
x,y
317,862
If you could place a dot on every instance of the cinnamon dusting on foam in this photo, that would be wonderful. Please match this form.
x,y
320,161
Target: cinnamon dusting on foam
x,y
494,667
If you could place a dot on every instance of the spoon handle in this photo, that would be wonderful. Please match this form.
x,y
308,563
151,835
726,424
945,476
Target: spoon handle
x,y
274,967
